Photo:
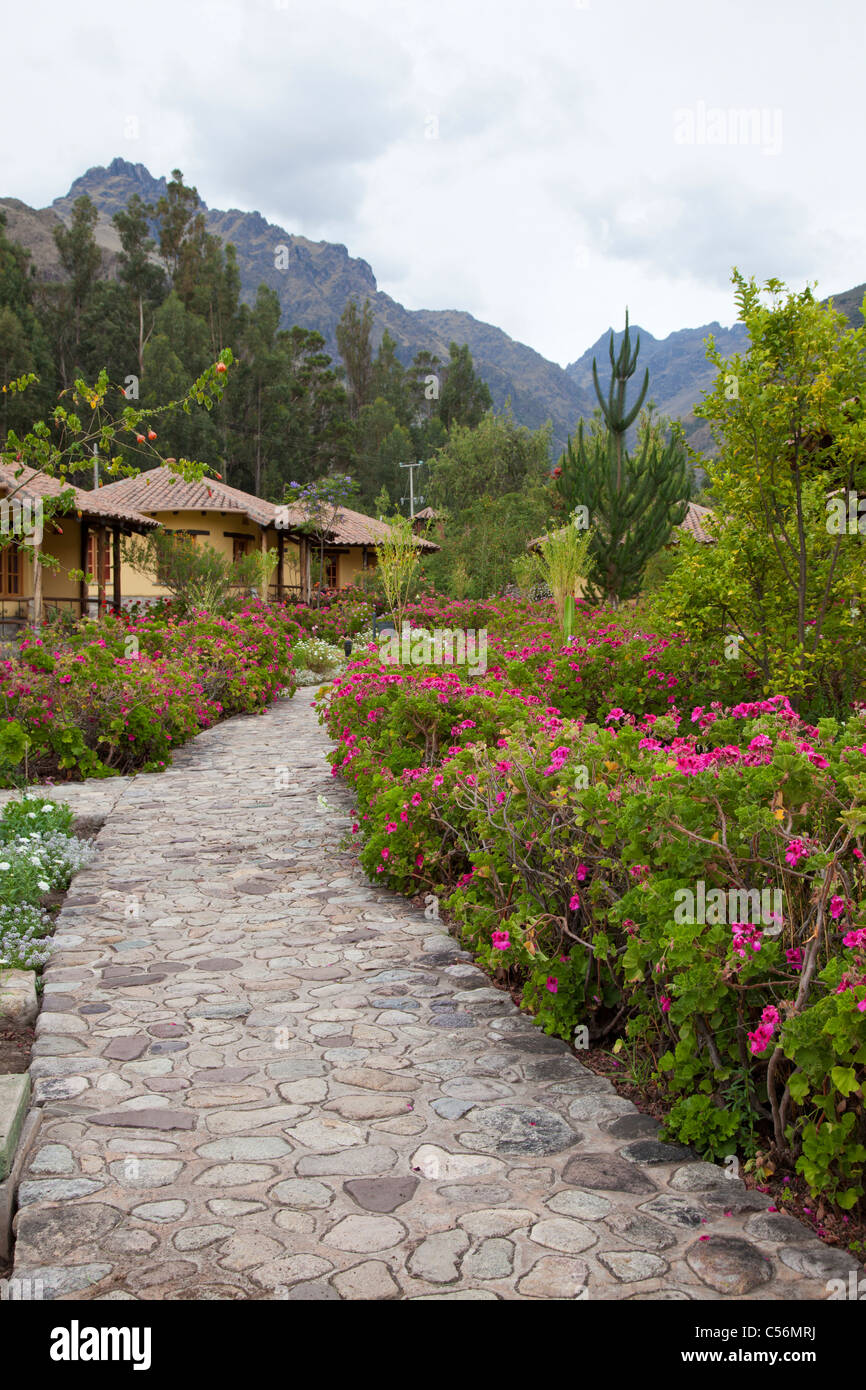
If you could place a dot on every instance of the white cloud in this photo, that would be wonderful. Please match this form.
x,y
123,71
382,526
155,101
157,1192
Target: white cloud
x,y
554,190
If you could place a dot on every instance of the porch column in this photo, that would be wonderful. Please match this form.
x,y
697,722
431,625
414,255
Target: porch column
x,y
115,546
37,585
101,557
302,569
281,552
306,579
82,585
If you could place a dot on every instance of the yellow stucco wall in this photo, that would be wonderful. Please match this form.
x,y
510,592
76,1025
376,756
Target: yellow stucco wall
x,y
348,566
66,548
135,585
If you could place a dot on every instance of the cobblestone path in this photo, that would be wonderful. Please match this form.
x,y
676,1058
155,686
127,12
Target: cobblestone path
x,y
262,1077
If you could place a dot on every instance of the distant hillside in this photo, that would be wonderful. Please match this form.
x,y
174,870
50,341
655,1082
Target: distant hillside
x,y
849,303
321,276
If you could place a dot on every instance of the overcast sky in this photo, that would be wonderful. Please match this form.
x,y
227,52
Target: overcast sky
x,y
539,163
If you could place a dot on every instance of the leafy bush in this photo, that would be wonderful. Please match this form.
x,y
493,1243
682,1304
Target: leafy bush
x,y
121,694
343,615
567,835
33,861
315,658
30,813
199,578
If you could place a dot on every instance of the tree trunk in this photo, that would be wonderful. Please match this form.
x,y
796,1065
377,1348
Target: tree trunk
x,y
258,484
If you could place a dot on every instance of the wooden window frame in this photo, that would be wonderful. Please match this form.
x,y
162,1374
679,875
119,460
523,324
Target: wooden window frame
x,y
10,571
92,560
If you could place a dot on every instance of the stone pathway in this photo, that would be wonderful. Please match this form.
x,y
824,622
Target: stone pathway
x,y
261,1077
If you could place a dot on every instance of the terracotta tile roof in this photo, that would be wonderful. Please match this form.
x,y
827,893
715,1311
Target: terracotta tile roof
x,y
692,524
162,490
354,528
21,482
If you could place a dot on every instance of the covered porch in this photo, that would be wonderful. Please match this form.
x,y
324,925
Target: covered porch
x,y
40,569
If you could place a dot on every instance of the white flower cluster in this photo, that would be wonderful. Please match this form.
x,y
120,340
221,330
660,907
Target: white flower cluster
x,y
316,661
23,936
55,855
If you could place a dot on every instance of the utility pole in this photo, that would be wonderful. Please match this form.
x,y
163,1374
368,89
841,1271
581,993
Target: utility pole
x,y
412,467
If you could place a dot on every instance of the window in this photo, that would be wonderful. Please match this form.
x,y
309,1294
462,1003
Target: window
x,y
92,559
10,572
330,571
240,547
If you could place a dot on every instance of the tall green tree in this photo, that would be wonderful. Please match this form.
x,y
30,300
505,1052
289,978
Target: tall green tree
x,y
492,485
381,444
423,384
316,428
632,501
143,280
390,380
354,340
787,572
178,221
210,286
495,457
464,397
81,259
24,347
260,380
179,349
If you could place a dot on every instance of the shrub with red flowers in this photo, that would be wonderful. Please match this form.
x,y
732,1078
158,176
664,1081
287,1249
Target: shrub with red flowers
x,y
342,614
690,879
119,695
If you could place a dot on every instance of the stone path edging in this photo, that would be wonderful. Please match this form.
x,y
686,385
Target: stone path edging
x,y
262,1077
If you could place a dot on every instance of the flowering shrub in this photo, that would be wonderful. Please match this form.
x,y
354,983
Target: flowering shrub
x,y
122,694
343,614
23,937
37,863
37,854
690,879
22,817
316,660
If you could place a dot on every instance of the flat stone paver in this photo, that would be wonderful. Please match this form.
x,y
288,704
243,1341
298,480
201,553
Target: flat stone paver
x,y
263,1077
95,798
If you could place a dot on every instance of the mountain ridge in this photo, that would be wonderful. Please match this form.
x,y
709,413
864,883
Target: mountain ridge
x,y
319,277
